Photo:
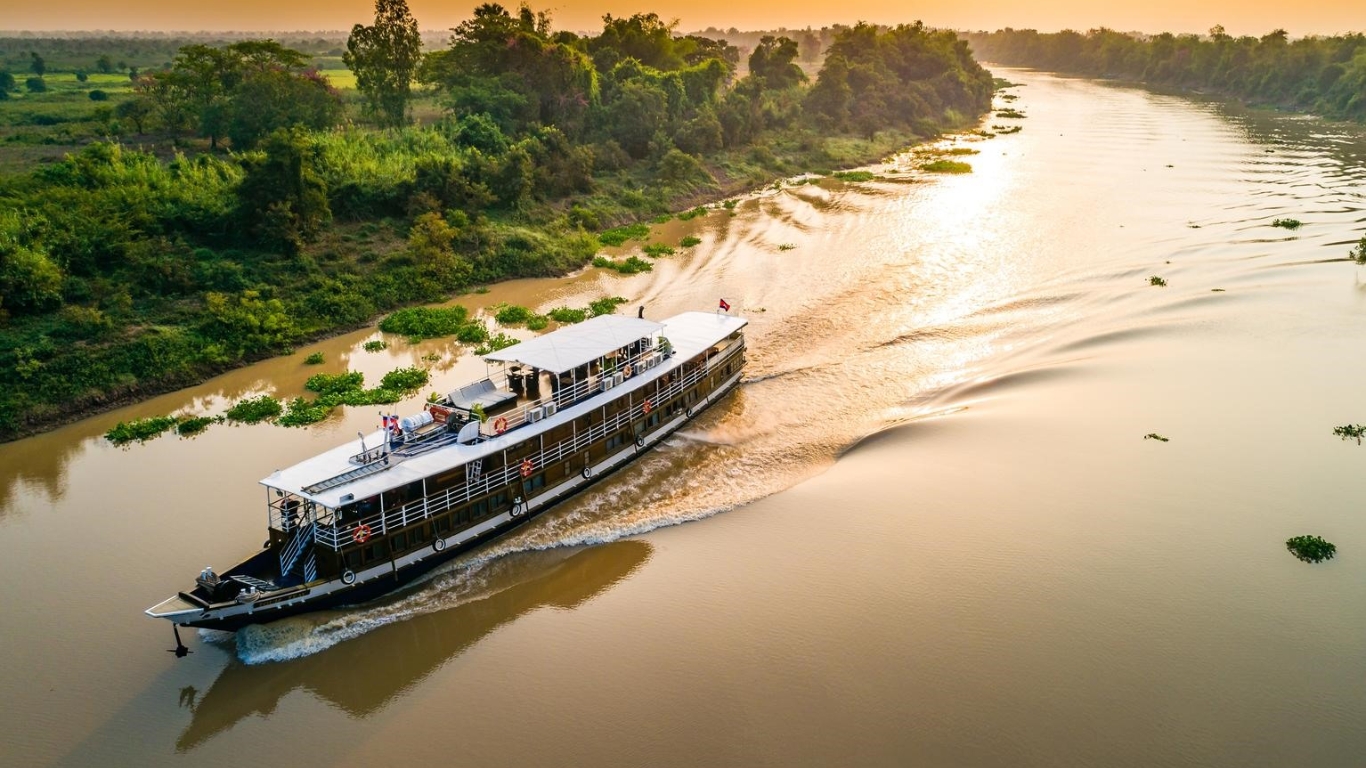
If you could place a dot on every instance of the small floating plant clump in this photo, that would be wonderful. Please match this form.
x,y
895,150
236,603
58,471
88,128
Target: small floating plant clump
x,y
700,210
376,345
1311,549
1155,436
689,241
255,409
314,359
193,425
658,250
496,342
1010,114
854,176
629,266
620,235
139,430
947,166
1351,432
1291,224
1358,254
1005,130
1157,281
787,247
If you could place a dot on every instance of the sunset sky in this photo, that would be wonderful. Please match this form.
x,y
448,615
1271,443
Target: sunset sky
x,y
1238,16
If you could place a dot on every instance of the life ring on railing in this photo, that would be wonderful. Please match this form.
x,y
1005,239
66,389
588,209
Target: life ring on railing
x,y
528,467
587,472
439,544
500,425
627,371
348,578
640,441
646,407
362,533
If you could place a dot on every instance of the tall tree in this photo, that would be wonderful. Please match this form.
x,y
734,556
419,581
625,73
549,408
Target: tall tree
x,y
385,57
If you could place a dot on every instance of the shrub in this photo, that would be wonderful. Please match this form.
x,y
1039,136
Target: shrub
x,y
854,176
620,235
512,314
139,429
193,425
607,305
405,379
314,359
35,85
567,315
255,409
947,166
334,383
1311,549
426,322
98,95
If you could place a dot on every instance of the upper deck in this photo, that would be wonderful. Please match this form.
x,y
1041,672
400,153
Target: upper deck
x,y
363,468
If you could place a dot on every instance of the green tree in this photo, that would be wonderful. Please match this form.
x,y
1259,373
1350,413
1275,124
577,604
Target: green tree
x,y
270,99
36,64
81,76
7,83
136,111
29,280
35,85
245,325
282,196
104,64
773,61
385,58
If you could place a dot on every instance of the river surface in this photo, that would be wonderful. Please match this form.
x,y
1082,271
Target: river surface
x,y
927,530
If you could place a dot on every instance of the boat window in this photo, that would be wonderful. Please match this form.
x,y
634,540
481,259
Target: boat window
x,y
399,542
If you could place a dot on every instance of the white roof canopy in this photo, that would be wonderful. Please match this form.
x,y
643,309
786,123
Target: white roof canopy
x,y
575,345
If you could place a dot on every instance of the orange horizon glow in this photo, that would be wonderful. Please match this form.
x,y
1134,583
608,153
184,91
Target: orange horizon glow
x,y
1328,17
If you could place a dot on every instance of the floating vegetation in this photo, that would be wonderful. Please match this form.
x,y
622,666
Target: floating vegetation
x,y
1291,224
482,289
629,266
1157,281
139,429
1000,84
335,383
314,359
1005,130
405,379
663,218
1009,96
786,247
1216,290
854,176
419,323
1351,432
376,345
537,323
1311,549
620,235
689,241
730,204
606,305
302,412
1192,225
656,250
255,409
1010,113
961,151
567,315
431,357
946,166
496,342
1358,254
1155,436
700,210
193,425
512,314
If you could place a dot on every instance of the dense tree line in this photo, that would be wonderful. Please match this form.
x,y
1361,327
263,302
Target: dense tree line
x,y
1326,75
122,272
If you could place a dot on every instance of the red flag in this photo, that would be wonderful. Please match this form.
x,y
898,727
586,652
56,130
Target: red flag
x,y
724,306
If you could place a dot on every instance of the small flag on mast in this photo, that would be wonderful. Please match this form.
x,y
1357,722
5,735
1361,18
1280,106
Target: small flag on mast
x,y
724,306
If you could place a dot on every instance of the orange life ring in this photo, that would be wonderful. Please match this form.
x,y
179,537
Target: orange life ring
x,y
626,372
500,425
646,407
362,533
528,467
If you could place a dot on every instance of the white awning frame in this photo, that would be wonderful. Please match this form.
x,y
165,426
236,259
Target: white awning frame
x,y
572,346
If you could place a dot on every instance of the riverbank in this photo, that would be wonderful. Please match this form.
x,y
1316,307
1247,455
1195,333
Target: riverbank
x,y
727,175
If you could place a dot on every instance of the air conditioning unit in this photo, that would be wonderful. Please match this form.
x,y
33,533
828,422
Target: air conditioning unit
x,y
551,408
535,414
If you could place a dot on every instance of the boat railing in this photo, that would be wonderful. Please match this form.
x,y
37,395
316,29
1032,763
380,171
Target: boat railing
x,y
338,535
575,393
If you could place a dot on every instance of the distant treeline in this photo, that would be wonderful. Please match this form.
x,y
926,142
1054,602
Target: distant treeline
x,y
1324,75
124,273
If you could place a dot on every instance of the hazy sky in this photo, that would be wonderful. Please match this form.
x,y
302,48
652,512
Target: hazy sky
x,y
1238,16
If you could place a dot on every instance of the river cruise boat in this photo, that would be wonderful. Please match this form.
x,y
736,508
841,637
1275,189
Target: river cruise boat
x,y
554,415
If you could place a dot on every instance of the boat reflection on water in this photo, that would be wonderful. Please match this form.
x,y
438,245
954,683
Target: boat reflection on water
x,y
401,654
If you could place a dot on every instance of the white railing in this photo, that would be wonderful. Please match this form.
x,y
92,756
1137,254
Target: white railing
x,y
337,536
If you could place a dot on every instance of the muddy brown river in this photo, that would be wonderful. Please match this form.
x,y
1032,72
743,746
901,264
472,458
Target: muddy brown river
x,y
927,529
